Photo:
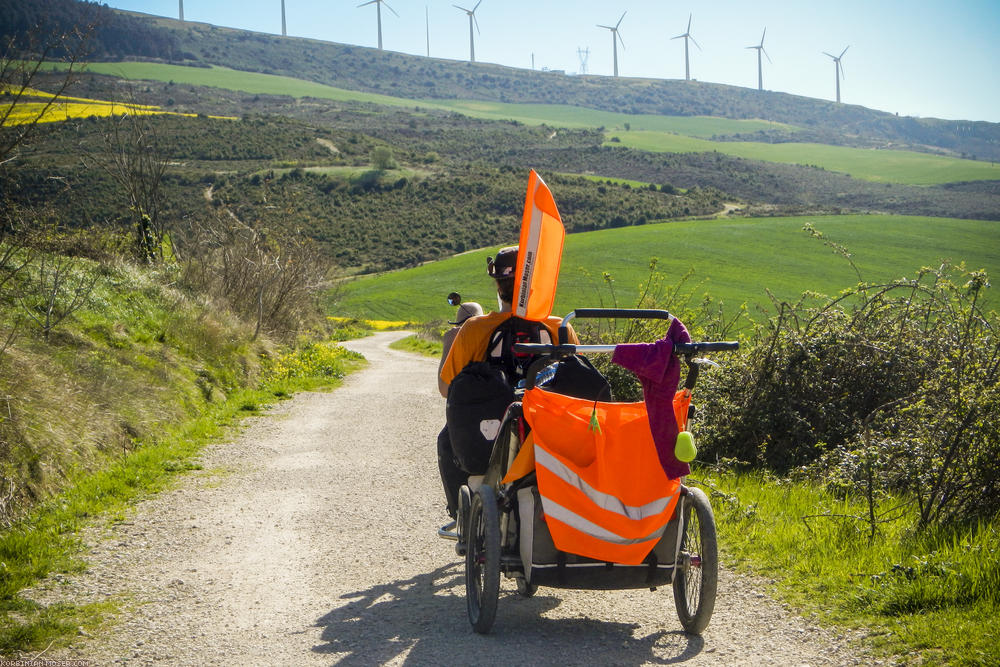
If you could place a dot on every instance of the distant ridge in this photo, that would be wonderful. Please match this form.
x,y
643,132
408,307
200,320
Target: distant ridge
x,y
419,77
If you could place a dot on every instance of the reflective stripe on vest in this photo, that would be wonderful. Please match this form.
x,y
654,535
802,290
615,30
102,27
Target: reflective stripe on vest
x,y
573,520
600,499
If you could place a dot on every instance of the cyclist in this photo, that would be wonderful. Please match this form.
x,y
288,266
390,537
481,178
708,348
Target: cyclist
x,y
472,344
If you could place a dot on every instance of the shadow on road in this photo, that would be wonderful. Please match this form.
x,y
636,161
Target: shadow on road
x,y
422,620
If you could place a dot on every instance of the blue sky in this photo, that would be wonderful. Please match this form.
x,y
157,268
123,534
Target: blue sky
x,y
926,58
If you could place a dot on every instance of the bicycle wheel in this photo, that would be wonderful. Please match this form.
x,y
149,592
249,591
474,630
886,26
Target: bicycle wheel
x,y
697,577
462,518
482,560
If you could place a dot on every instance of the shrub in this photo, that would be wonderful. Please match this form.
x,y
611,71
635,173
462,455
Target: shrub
x,y
886,386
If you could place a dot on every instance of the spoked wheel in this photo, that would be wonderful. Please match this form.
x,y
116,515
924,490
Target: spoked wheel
x,y
697,576
482,560
462,518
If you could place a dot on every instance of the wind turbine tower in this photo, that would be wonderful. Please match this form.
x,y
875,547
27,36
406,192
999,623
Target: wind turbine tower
x,y
760,69
284,31
584,55
472,21
378,8
180,8
838,68
615,38
687,61
427,23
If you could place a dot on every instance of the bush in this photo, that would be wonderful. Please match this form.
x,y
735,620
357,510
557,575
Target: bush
x,y
886,386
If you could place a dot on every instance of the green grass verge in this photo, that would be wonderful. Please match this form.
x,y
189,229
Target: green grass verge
x,y
419,345
47,541
929,597
736,261
647,132
886,166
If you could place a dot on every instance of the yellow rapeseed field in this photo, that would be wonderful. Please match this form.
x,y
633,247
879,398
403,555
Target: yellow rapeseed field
x,y
32,103
378,325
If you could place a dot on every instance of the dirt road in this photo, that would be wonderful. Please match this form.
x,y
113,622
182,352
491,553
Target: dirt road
x,y
310,539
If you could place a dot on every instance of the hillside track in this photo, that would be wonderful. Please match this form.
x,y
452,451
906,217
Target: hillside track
x,y
310,539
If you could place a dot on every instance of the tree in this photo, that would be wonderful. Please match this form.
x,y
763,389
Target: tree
x,y
382,158
22,63
131,156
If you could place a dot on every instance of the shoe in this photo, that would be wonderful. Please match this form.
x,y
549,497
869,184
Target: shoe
x,y
447,531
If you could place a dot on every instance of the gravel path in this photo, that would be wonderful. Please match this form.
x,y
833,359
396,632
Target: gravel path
x,y
310,539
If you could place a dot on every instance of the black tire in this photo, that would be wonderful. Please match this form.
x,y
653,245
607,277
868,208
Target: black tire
x,y
482,560
462,518
697,577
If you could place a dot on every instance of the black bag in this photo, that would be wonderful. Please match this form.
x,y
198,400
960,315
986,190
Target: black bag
x,y
478,397
500,351
576,376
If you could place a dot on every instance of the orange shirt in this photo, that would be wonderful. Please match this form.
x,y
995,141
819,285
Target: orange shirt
x,y
474,337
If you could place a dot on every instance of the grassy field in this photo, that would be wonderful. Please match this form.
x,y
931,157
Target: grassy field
x,y
887,166
930,598
734,260
647,132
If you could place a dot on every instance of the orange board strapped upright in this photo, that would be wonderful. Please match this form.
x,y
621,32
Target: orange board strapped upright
x,y
539,253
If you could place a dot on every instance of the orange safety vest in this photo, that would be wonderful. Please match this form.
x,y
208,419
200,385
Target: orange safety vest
x,y
604,493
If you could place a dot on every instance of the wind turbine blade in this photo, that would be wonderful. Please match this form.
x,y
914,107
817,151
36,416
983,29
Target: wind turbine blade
x,y
371,2
689,22
619,35
386,5
620,20
768,57
457,7
695,43
841,66
827,54
606,27
678,36
762,38
477,6
843,52
476,21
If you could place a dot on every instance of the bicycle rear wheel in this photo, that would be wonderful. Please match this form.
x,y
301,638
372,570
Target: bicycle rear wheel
x,y
482,560
697,577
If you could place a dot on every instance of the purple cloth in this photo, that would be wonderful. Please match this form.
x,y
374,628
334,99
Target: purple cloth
x,y
659,372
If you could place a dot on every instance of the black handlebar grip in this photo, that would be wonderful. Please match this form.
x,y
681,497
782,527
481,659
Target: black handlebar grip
x,y
631,313
692,348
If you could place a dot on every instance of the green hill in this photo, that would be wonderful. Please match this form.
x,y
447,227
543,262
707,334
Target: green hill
x,y
670,134
734,261
415,77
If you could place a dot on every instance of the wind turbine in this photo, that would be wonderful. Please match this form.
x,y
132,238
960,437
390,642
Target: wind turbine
x,y
284,32
838,67
472,20
615,38
760,69
687,62
180,9
378,7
